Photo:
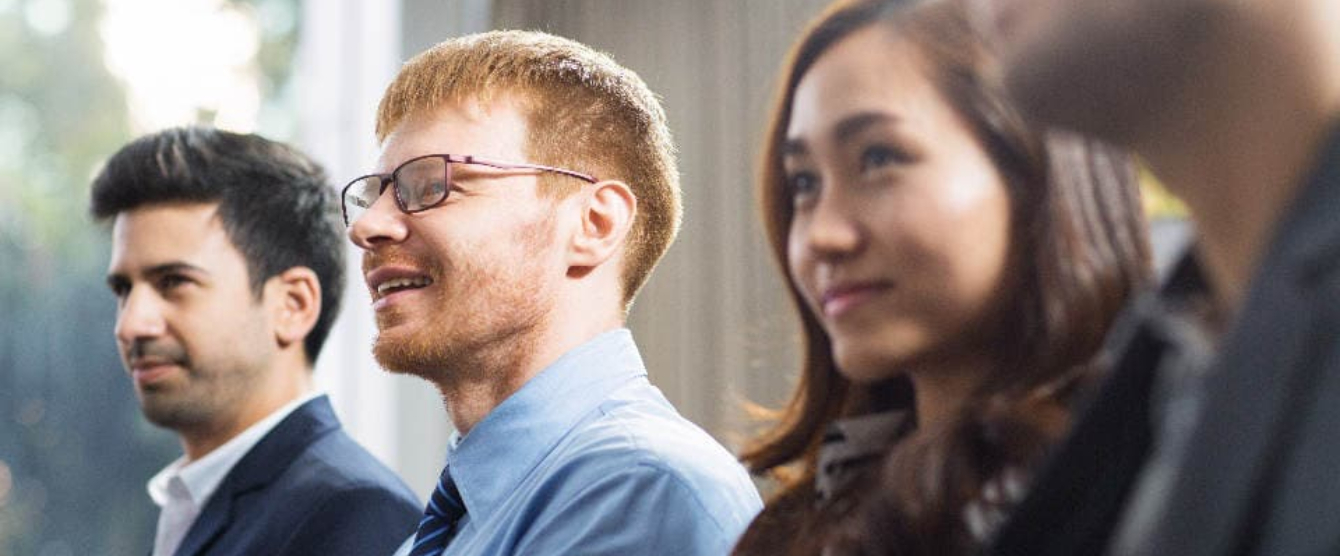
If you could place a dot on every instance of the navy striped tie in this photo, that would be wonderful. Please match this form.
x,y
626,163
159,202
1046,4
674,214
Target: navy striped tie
x,y
438,525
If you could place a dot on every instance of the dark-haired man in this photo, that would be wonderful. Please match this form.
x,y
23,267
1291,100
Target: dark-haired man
x,y
227,266
1216,433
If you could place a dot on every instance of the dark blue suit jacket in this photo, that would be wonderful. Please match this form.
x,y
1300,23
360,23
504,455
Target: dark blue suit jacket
x,y
306,488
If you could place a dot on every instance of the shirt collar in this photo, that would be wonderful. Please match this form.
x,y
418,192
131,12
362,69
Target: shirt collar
x,y
501,450
852,445
201,477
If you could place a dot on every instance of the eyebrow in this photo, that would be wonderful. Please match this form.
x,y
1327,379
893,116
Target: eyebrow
x,y
843,131
174,267
856,123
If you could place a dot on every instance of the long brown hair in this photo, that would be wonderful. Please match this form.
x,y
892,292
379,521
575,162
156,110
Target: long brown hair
x,y
1078,250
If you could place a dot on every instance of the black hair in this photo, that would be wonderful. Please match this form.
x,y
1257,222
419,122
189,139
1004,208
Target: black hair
x,y
275,203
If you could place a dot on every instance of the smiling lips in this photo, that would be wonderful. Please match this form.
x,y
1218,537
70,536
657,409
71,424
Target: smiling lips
x,y
385,283
843,298
147,370
397,284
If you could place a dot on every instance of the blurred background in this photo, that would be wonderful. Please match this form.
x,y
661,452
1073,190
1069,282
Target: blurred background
x,y
79,78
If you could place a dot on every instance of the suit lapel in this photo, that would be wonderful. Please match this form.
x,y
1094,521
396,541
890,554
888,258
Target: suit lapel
x,y
1264,371
267,460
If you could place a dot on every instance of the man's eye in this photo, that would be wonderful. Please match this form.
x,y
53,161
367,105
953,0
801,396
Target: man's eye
x,y
171,281
419,195
434,191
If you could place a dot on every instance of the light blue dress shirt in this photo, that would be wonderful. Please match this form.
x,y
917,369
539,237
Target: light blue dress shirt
x,y
589,458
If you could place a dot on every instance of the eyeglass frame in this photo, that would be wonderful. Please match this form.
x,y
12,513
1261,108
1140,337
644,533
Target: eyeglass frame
x,y
389,178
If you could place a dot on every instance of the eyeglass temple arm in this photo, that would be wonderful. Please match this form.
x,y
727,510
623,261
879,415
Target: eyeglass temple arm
x,y
469,159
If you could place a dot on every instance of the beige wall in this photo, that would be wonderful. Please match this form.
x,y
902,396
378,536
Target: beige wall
x,y
713,323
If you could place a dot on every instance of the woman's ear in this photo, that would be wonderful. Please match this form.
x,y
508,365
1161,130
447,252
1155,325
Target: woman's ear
x,y
295,301
606,218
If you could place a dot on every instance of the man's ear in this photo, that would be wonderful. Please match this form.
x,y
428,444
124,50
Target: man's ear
x,y
294,297
606,218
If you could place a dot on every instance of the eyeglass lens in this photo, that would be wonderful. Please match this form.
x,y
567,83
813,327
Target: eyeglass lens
x,y
422,183
419,184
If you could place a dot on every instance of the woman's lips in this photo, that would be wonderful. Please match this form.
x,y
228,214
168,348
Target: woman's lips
x,y
839,301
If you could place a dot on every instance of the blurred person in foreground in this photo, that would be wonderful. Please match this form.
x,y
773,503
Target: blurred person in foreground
x,y
227,267
1217,432
526,188
955,271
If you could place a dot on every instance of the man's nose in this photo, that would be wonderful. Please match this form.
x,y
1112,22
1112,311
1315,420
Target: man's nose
x,y
380,224
140,316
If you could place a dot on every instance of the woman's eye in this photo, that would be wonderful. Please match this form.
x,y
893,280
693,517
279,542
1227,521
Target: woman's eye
x,y
879,156
802,185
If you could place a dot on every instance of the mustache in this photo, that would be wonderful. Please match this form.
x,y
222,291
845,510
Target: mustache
x,y
373,260
147,349
396,257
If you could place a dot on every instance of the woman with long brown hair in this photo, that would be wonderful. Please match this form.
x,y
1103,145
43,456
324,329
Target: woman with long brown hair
x,y
955,272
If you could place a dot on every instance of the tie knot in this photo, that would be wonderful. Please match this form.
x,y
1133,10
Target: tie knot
x,y
446,501
438,525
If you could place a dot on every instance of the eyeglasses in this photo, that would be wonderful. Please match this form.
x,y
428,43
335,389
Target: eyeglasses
x,y
422,182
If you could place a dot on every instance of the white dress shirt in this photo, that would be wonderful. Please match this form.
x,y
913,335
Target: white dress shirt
x,y
183,488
